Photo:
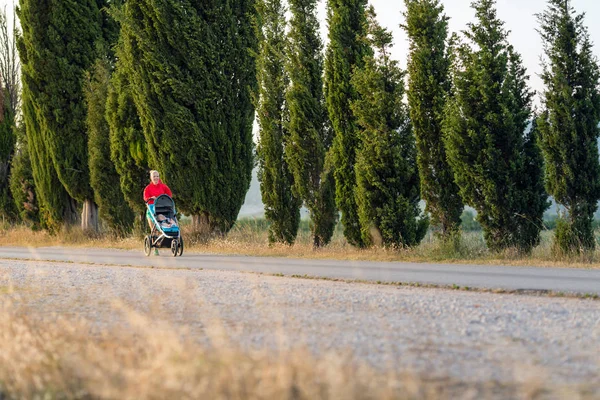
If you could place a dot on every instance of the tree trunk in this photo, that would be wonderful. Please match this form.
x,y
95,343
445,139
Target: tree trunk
x,y
89,216
70,216
201,224
140,224
204,228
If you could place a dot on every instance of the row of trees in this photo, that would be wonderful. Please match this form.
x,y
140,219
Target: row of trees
x,y
112,89
468,126
334,131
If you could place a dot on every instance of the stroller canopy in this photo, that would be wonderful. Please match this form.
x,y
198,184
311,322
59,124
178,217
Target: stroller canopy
x,y
164,205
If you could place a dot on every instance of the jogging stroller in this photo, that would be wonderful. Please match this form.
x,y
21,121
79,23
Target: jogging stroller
x,y
165,231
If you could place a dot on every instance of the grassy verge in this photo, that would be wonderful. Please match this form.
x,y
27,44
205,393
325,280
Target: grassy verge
x,y
249,237
67,359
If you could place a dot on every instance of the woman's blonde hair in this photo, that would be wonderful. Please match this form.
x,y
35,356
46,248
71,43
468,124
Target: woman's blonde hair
x,y
152,173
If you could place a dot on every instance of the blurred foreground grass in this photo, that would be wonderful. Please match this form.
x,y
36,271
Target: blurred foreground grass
x,y
250,237
62,357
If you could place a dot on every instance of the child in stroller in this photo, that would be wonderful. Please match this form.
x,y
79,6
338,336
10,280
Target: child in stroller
x,y
165,222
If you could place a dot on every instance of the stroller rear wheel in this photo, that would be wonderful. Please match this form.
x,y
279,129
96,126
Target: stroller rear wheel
x,y
147,245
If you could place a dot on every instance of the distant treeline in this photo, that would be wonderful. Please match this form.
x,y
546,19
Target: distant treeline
x,y
113,89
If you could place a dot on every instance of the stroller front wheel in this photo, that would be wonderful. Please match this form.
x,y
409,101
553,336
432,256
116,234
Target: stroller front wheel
x,y
147,245
175,247
180,247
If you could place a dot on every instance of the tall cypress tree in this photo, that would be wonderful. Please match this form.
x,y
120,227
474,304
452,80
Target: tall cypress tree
x,y
429,87
282,205
128,150
386,171
22,185
495,163
56,207
7,150
104,178
569,123
59,43
237,41
345,53
191,75
309,130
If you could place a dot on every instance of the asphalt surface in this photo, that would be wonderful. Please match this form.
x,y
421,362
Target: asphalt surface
x,y
567,280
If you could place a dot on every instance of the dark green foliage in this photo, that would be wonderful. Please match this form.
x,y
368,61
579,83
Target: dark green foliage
x,y
7,150
531,200
22,184
105,181
497,166
59,43
191,75
345,52
429,87
56,207
569,123
282,205
309,131
128,150
387,191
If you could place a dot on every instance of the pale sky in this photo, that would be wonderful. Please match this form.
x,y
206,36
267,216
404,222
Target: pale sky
x,y
519,16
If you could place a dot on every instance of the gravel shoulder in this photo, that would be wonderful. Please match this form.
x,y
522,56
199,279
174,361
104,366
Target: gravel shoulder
x,y
474,337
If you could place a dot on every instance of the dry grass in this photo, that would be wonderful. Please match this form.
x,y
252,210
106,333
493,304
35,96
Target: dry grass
x,y
66,359
249,237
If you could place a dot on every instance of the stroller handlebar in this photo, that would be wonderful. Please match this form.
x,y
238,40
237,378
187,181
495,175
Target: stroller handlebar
x,y
153,198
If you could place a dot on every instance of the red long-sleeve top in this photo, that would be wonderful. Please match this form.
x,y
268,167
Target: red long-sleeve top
x,y
153,190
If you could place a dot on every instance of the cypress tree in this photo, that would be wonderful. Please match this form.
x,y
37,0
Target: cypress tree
x,y
238,117
104,178
128,150
7,149
22,185
429,86
59,43
56,207
310,135
533,199
282,206
386,171
345,52
569,122
496,164
191,75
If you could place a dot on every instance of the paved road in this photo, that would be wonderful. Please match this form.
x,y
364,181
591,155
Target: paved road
x,y
477,276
